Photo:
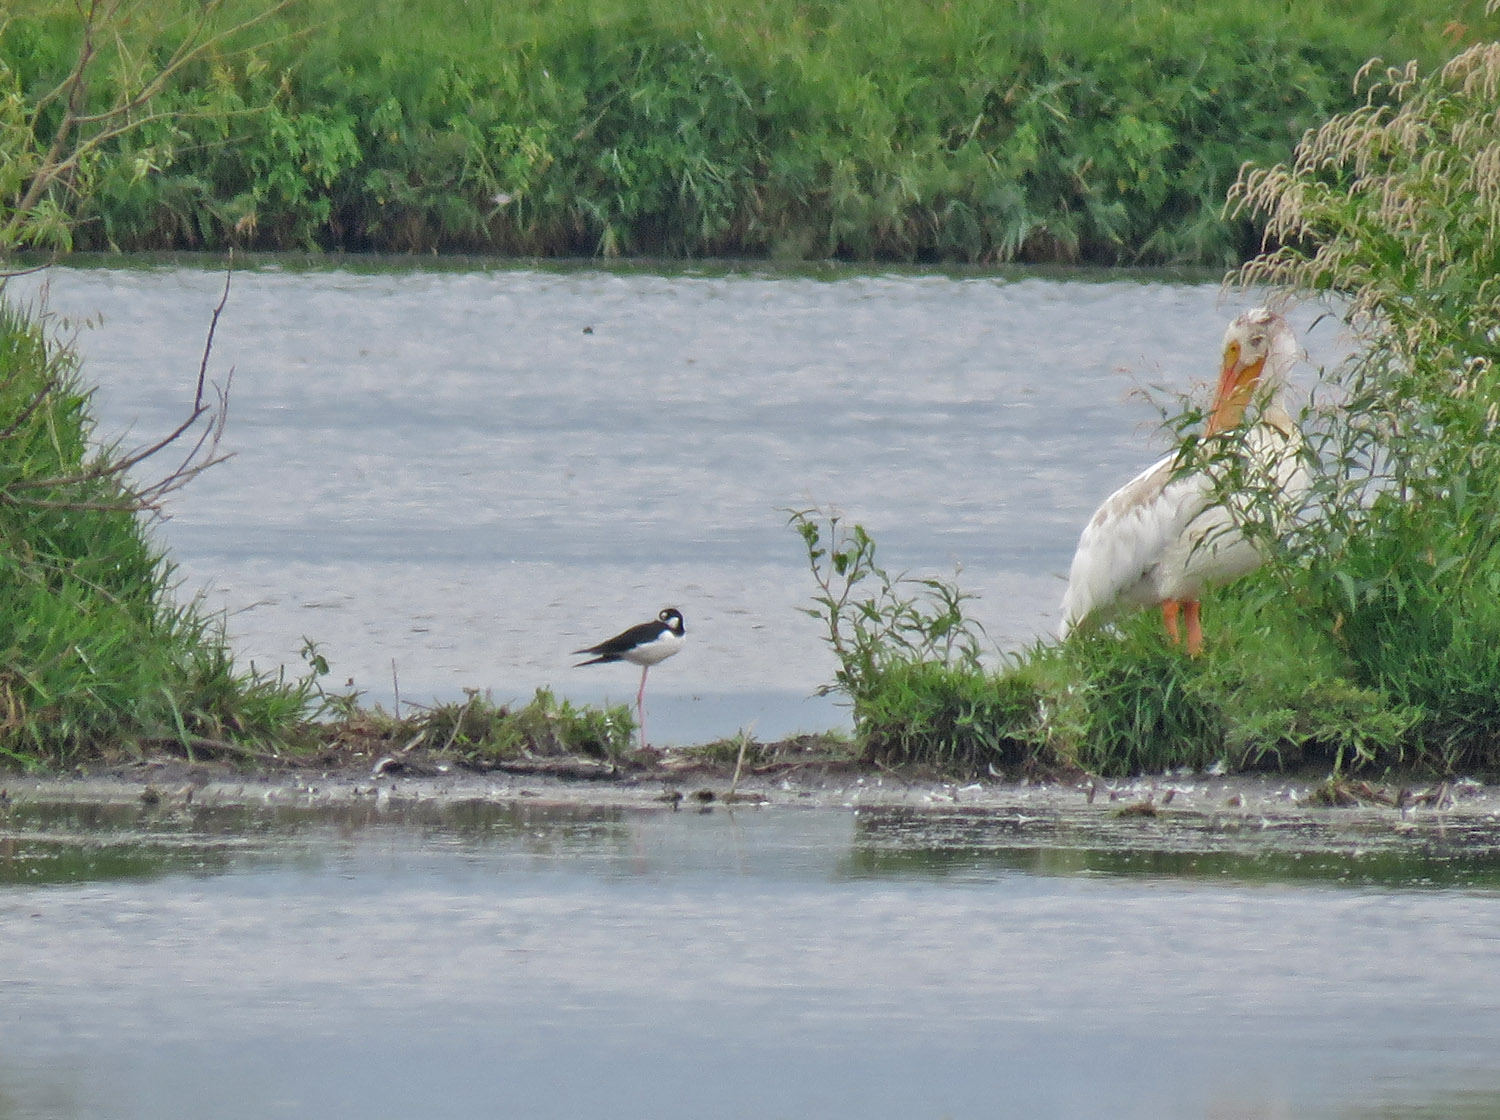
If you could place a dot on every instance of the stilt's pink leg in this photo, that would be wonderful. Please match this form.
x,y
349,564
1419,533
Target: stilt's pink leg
x,y
640,704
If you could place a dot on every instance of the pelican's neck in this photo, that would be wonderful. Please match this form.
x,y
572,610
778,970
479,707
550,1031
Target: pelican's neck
x,y
1275,415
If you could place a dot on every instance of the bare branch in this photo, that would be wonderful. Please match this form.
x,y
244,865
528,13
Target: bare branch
x,y
203,453
208,343
12,273
29,410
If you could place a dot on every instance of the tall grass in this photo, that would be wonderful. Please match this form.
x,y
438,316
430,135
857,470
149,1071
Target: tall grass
x,y
1395,205
984,131
95,651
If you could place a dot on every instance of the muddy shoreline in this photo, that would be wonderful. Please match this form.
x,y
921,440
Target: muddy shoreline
x,y
1199,810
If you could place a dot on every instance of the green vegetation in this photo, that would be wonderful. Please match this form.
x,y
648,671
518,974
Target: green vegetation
x,y
982,131
957,132
1396,208
1372,639
100,660
479,731
1275,689
94,650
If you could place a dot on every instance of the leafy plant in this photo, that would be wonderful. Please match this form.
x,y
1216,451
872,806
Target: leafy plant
x,y
890,625
1393,207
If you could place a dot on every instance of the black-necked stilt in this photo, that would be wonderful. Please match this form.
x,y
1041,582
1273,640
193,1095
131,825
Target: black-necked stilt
x,y
644,645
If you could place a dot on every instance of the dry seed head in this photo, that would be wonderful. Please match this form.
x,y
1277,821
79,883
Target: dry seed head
x,y
1476,71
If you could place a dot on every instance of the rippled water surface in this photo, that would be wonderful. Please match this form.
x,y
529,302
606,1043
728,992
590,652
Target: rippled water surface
x,y
468,473
513,960
452,478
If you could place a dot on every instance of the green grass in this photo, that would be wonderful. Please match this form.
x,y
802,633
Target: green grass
x,y
96,652
1277,687
984,131
480,730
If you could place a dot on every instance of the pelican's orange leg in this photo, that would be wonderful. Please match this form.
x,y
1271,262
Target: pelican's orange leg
x,y
1194,627
1169,610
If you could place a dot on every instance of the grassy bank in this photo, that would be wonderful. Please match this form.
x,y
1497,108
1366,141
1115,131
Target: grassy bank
x,y
102,659
94,648
981,131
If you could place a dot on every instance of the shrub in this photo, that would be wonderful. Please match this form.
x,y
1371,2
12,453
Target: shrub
x,y
983,131
1394,208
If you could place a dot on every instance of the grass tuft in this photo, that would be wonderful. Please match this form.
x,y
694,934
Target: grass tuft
x,y
96,652
480,730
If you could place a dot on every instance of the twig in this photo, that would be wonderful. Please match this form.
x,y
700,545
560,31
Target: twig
x,y
739,764
458,722
213,746
202,455
902,778
208,342
30,408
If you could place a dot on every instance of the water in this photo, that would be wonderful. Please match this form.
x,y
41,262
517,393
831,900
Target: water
x,y
486,959
470,472
451,478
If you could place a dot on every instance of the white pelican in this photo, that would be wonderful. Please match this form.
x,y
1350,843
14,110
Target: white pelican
x,y
1165,535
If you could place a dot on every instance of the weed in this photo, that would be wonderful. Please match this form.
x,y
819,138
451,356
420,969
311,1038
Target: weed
x,y
900,620
480,729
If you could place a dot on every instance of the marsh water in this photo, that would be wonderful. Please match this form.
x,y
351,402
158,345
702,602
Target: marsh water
x,y
451,477
479,959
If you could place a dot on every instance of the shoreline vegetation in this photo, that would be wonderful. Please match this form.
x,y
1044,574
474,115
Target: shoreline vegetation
x,y
787,130
1369,643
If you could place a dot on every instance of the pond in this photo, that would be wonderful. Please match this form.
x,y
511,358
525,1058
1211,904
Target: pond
x,y
451,477
480,958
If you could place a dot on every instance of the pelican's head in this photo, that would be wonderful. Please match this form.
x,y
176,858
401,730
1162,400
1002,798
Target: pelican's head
x,y
1258,349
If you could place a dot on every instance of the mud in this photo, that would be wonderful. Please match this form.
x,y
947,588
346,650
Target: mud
x,y
1190,812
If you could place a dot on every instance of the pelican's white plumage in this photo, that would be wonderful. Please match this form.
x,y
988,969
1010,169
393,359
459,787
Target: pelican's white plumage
x,y
1162,537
